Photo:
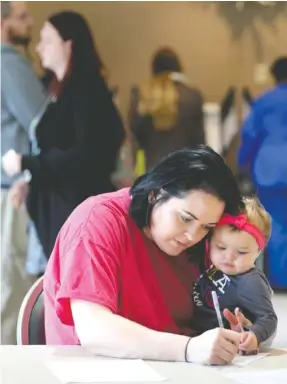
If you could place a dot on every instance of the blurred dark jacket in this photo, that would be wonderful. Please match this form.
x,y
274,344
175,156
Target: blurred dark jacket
x,y
79,137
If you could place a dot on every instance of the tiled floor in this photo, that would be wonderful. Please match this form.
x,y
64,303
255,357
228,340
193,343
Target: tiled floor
x,y
280,305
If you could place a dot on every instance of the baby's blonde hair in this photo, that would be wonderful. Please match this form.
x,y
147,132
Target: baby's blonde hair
x,y
257,215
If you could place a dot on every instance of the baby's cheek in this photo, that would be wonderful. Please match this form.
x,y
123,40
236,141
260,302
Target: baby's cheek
x,y
214,257
241,265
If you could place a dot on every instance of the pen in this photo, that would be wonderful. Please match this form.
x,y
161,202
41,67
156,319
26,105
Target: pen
x,y
217,309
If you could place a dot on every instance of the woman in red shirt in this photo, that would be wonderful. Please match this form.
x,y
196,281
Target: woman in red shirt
x,y
120,277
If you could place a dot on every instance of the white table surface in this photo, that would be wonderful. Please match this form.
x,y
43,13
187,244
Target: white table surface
x,y
26,364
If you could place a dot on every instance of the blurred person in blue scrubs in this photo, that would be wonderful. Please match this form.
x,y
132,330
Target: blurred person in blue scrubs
x,y
263,153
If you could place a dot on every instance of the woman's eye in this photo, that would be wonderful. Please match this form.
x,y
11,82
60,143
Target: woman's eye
x,y
221,248
242,252
186,219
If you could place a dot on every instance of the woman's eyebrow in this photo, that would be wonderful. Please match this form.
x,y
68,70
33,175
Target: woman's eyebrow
x,y
196,218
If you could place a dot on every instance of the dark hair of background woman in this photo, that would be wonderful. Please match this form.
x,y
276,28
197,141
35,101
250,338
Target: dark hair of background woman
x,y
86,62
165,60
85,73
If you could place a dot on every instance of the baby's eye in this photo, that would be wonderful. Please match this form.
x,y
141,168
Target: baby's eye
x,y
242,252
221,247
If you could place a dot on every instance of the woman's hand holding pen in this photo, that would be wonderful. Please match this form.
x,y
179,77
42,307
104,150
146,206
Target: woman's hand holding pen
x,y
217,346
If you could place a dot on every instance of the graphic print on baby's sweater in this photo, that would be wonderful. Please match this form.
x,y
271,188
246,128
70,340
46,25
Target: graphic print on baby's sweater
x,y
211,280
250,291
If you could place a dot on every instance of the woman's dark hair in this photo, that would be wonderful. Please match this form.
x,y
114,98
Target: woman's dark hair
x,y
85,59
199,168
85,73
165,60
279,69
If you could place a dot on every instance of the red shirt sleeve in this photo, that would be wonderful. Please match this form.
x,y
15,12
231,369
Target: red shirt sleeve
x,y
89,254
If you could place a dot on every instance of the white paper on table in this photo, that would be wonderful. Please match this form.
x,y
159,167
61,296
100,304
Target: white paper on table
x,y
259,377
248,359
103,371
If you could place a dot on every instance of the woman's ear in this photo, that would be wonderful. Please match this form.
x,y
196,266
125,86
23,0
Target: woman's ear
x,y
155,195
151,197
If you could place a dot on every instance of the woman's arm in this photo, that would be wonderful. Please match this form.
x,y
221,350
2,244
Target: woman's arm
x,y
57,164
108,334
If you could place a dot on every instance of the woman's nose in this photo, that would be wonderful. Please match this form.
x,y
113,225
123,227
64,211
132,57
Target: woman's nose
x,y
188,236
192,234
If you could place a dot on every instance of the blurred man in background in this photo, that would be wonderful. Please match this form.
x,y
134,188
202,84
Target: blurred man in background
x,y
22,95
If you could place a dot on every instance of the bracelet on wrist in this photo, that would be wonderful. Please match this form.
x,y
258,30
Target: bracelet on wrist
x,y
186,348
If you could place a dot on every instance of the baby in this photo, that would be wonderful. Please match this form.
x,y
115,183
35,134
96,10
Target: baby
x,y
236,243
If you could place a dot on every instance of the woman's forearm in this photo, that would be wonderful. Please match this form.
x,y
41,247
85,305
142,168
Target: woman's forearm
x,y
108,334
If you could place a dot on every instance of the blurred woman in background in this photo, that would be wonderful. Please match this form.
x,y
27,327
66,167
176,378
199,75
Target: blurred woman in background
x,y
166,113
79,134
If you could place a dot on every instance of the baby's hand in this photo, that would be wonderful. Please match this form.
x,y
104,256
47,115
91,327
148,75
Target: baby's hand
x,y
248,344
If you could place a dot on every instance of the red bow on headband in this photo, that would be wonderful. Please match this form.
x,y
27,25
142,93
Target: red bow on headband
x,y
242,223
